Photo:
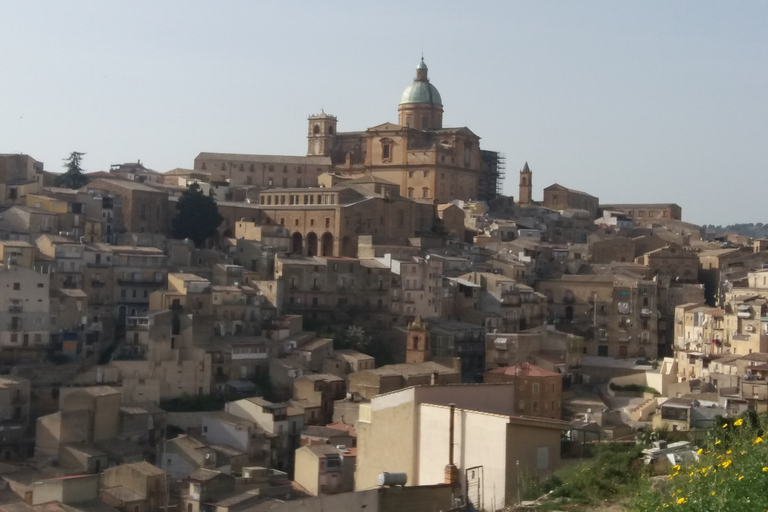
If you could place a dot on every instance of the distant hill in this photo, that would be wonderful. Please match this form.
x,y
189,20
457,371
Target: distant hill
x,y
756,230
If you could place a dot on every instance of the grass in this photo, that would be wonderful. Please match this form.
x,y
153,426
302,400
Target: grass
x,y
614,473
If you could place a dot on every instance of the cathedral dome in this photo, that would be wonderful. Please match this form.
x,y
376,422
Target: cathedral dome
x,y
421,91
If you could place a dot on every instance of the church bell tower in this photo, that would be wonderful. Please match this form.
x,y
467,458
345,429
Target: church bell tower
x,y
417,350
321,134
526,186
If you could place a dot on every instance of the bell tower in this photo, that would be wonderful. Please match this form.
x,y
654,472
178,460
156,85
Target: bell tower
x,y
526,186
417,349
321,134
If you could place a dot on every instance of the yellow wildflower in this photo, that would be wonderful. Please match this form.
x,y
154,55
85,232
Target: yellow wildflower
x,y
725,425
758,440
765,469
681,500
739,422
726,463
698,452
714,492
741,477
728,452
717,442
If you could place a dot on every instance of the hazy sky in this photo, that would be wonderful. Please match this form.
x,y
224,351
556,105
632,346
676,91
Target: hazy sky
x,y
651,101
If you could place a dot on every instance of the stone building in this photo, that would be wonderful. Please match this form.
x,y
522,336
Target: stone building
x,y
558,197
645,214
538,391
333,289
144,209
328,221
19,175
418,154
672,263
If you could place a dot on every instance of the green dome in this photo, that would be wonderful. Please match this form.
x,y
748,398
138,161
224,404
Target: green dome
x,y
421,92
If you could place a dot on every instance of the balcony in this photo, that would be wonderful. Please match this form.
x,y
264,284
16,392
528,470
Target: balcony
x,y
143,281
97,283
15,308
140,323
14,326
646,312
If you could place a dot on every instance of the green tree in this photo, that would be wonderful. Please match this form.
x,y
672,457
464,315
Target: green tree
x,y
197,216
355,338
73,177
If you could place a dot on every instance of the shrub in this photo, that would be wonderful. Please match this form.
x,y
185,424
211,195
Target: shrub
x,y
731,473
611,473
634,388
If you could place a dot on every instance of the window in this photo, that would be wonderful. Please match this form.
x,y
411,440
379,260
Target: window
x,y
425,192
410,192
535,388
386,150
327,222
17,286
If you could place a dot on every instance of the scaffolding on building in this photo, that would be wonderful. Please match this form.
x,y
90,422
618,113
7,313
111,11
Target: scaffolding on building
x,y
491,180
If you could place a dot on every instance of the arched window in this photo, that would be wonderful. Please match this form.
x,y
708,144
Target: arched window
x,y
425,192
415,343
316,129
410,192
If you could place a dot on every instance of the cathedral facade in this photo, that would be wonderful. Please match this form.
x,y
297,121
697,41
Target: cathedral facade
x,y
426,160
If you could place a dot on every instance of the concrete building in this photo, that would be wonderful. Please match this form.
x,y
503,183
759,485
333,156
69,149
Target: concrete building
x,y
620,308
496,302
161,359
14,417
25,321
325,469
130,487
274,419
416,289
370,383
320,389
409,431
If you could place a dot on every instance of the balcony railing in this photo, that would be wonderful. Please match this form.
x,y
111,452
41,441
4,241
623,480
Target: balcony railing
x,y
142,281
15,308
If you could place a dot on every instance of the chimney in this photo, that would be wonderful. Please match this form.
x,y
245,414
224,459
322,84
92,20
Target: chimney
x,y
451,471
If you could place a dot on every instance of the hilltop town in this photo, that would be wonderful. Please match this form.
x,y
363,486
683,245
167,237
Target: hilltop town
x,y
372,325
